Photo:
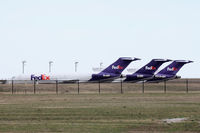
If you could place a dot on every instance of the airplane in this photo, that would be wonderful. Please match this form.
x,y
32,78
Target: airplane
x,y
146,72
169,72
110,73
114,70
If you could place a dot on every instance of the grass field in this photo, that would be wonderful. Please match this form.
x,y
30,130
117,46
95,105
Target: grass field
x,y
104,113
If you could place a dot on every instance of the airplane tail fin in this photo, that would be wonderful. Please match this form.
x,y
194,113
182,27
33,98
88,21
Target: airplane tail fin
x,y
152,66
174,67
118,66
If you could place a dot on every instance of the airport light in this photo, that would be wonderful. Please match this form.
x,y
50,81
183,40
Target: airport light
x,y
76,65
23,64
50,66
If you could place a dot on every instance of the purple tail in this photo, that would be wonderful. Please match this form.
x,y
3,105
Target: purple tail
x,y
173,68
114,70
151,67
118,66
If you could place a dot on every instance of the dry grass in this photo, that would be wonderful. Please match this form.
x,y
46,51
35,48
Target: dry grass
x,y
99,113
108,112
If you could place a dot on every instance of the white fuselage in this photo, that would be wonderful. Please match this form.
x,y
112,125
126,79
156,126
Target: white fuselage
x,y
45,77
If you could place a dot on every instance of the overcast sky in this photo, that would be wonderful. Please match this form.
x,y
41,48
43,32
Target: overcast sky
x,y
94,31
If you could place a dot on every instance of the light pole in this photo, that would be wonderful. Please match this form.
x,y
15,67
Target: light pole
x,y
50,64
23,64
76,65
101,63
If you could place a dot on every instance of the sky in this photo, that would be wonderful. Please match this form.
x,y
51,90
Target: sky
x,y
94,31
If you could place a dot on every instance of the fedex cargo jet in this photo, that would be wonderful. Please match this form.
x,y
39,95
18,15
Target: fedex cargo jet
x,y
114,70
169,72
147,71
107,75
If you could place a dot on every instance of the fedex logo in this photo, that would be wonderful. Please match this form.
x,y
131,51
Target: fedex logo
x,y
41,77
172,69
150,68
117,67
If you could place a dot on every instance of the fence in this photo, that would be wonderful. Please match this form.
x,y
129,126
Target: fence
x,y
57,87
